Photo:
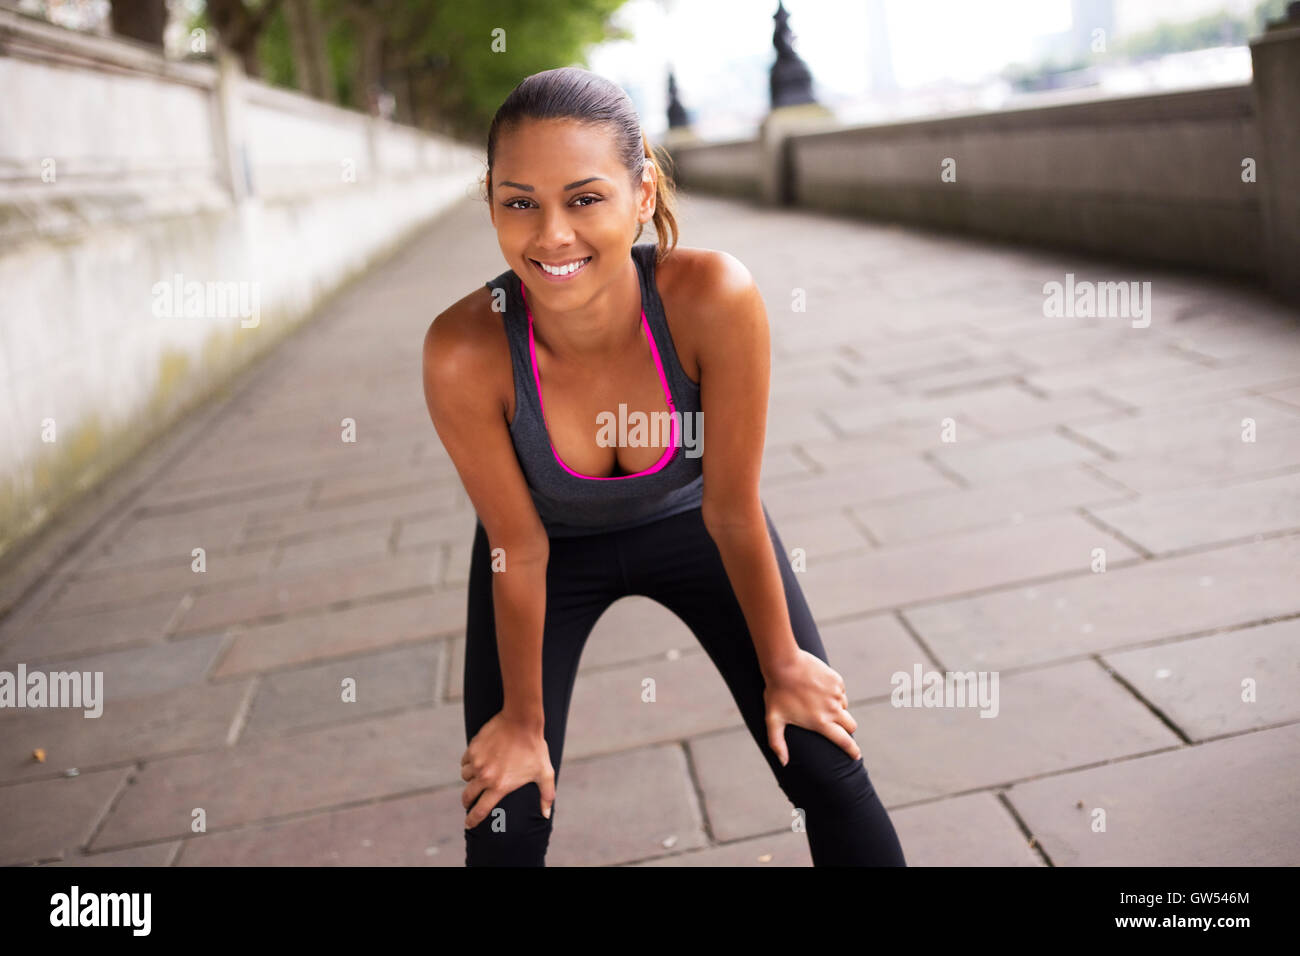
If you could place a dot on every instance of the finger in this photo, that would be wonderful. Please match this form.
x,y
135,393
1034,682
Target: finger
x,y
841,736
467,772
547,786
486,804
845,720
476,786
776,740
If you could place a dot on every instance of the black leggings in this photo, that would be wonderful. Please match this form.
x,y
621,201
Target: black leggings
x,y
674,561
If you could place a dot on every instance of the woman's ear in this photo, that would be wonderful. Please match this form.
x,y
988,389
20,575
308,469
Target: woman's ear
x,y
649,192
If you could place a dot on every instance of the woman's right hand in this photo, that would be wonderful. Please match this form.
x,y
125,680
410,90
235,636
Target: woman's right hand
x,y
502,757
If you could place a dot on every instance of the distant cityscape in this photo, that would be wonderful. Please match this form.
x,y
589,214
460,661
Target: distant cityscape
x,y
1110,48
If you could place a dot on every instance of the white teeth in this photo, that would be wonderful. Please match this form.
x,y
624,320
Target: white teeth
x,y
564,270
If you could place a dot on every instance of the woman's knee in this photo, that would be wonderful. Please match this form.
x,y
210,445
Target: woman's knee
x,y
821,775
514,833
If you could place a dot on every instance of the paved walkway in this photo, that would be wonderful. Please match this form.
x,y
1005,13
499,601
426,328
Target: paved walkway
x,y
1107,518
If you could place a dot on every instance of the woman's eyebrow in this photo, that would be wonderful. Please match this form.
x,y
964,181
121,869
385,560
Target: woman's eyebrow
x,y
580,182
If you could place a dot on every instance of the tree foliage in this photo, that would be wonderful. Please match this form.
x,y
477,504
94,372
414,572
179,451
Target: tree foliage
x,y
447,64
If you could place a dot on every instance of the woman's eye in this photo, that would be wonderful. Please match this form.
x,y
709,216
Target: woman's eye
x,y
510,203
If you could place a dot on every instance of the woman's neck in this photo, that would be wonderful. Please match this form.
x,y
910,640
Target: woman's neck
x,y
603,327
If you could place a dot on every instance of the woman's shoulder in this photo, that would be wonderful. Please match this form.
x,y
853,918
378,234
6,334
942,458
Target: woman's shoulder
x,y
710,298
693,274
466,323
467,340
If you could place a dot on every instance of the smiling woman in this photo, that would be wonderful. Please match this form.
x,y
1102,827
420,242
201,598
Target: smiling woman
x,y
569,522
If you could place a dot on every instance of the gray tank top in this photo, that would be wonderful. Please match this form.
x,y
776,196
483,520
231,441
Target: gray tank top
x,y
569,503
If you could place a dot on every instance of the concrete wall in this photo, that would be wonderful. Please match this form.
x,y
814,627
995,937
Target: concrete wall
x,y
1151,177
120,171
727,169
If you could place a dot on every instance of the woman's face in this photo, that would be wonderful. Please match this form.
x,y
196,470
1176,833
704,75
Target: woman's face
x,y
559,195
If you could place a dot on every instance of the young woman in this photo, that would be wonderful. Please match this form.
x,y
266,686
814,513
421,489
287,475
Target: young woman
x,y
523,378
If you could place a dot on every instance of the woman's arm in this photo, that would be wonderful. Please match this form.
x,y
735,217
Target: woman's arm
x,y
734,354
463,386
467,414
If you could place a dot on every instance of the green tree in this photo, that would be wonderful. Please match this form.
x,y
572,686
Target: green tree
x,y
440,59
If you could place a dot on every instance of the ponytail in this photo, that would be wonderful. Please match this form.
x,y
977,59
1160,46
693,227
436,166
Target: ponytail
x,y
665,216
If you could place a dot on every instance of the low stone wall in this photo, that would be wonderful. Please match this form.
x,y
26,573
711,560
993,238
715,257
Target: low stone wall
x,y
163,224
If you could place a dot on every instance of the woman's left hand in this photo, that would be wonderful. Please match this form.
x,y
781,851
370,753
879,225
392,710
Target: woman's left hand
x,y
808,693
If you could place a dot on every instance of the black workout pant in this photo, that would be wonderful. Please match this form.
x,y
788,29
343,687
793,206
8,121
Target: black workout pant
x,y
674,561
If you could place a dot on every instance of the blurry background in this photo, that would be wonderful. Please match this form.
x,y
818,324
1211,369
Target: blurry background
x,y
226,226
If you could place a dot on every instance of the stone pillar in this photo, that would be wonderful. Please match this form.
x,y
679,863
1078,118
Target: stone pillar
x,y
1276,58
793,109
775,185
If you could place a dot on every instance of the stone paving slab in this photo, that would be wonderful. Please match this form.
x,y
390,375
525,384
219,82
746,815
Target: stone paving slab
x,y
422,830
1064,373
1223,683
419,532
1032,494
1012,409
336,548
1002,458
155,854
1222,458
115,587
325,635
1197,517
976,829
1288,394
302,590
147,538
276,523
136,728
779,849
607,712
361,760
46,817
826,492
624,807
134,625
1229,802
1225,384
1188,424
330,559
377,683
935,568
1154,600
137,671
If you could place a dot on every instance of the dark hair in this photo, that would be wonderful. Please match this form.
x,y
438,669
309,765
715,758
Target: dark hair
x,y
573,93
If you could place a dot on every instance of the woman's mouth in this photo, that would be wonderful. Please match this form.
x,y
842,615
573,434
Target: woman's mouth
x,y
561,271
